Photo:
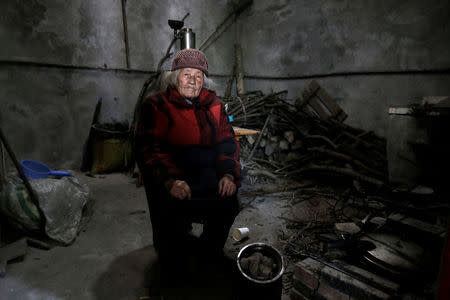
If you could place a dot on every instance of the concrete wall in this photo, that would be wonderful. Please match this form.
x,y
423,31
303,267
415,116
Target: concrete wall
x,y
368,55
59,57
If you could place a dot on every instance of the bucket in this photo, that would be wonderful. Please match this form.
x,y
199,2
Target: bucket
x,y
111,131
264,282
34,169
111,148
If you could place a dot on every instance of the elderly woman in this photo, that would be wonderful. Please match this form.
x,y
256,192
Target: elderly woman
x,y
189,158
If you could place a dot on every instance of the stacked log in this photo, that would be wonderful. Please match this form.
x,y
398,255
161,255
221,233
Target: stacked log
x,y
296,144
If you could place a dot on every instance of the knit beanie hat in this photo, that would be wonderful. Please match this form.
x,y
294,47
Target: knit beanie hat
x,y
190,58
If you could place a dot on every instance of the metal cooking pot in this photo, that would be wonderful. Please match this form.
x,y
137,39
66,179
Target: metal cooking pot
x,y
265,250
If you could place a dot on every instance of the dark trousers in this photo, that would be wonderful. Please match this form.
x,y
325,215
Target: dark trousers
x,y
171,220
171,223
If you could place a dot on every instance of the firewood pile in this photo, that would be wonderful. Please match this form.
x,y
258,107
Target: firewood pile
x,y
303,146
296,141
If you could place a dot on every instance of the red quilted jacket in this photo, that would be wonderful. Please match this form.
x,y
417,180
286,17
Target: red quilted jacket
x,y
192,142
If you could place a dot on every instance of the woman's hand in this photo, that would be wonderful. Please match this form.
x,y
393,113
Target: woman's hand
x,y
227,187
180,190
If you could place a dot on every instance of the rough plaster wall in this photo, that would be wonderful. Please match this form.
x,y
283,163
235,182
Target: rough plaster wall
x,y
297,40
150,34
46,113
342,39
365,98
64,32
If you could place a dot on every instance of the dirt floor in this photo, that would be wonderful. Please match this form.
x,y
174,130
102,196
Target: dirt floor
x,y
113,257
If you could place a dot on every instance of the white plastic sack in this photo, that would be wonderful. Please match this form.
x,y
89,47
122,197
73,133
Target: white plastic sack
x,y
61,201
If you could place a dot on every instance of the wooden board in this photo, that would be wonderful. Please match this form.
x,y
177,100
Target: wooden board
x,y
317,102
240,132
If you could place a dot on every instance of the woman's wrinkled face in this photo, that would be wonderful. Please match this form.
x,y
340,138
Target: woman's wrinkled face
x,y
190,82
